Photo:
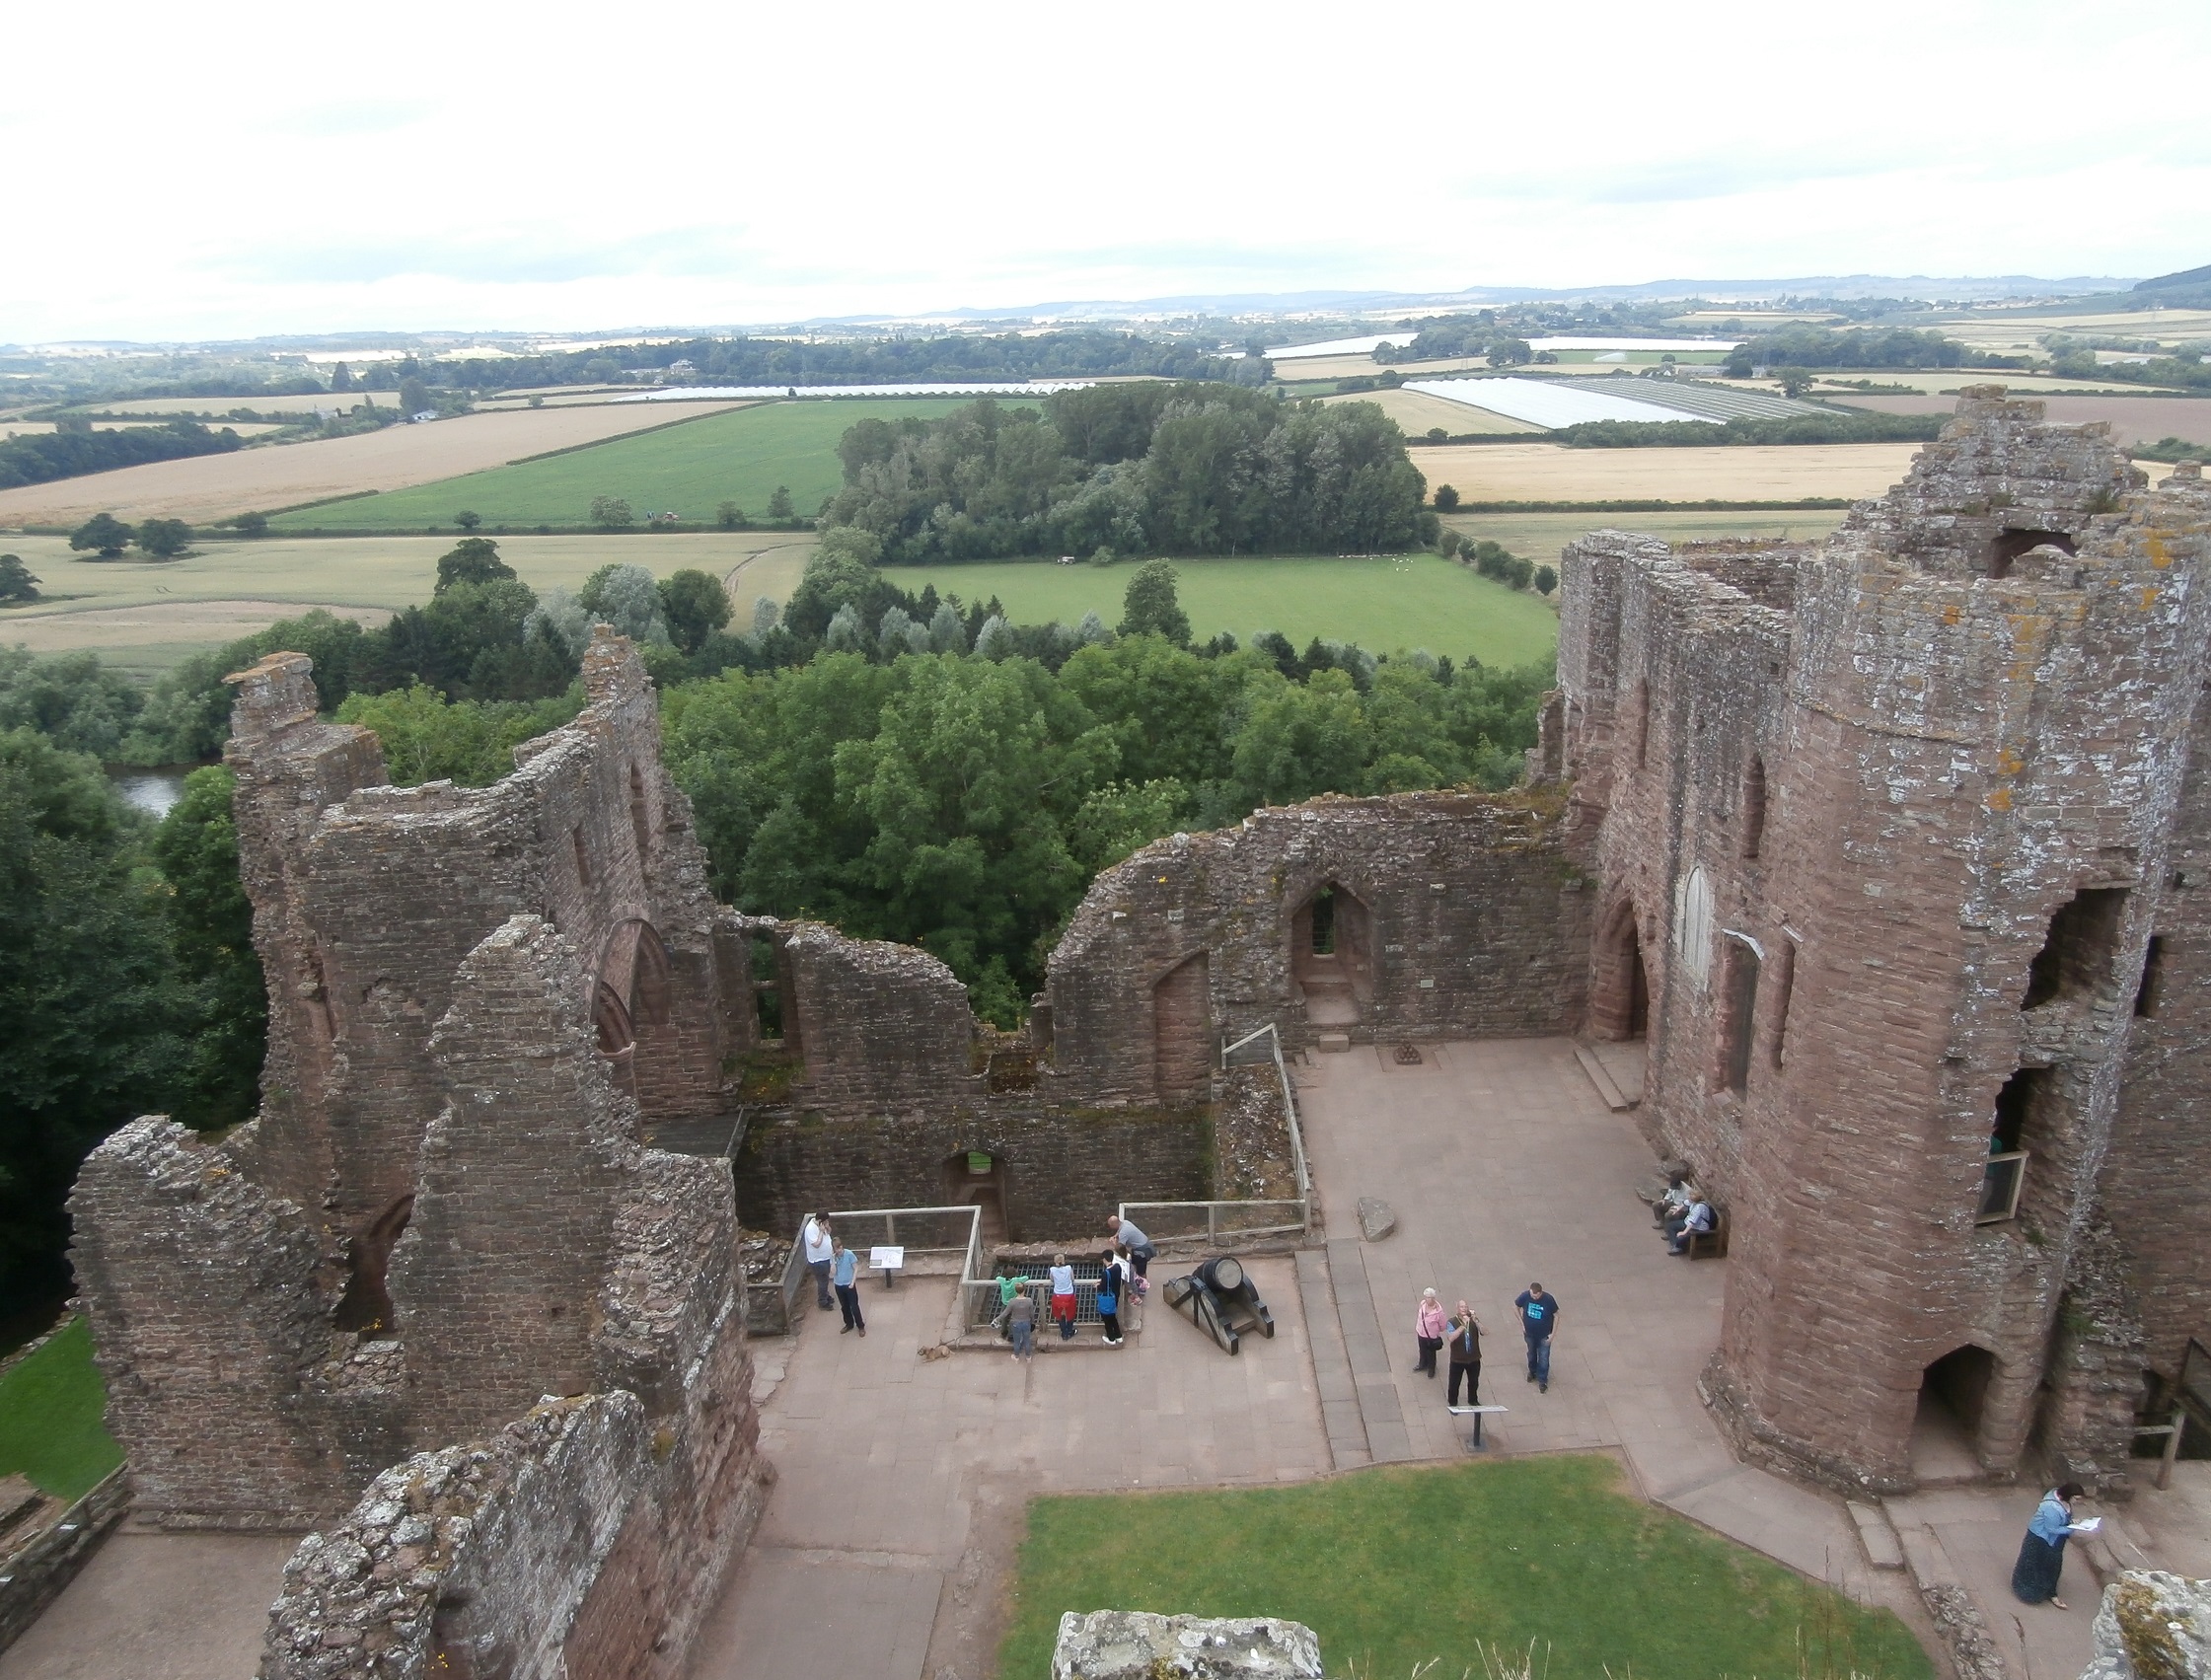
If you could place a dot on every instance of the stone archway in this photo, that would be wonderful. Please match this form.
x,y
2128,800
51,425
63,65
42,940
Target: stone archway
x,y
1332,955
1620,998
1182,1042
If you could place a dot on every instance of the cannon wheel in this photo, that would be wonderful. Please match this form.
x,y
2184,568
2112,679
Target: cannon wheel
x,y
1214,1322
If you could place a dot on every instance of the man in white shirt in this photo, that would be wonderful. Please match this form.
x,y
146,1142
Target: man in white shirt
x,y
815,1237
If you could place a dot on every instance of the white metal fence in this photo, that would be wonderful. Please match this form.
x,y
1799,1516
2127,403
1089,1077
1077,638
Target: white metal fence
x,y
1217,1221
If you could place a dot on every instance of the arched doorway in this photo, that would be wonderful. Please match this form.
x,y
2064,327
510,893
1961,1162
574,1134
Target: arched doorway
x,y
1620,1001
1332,955
1947,1423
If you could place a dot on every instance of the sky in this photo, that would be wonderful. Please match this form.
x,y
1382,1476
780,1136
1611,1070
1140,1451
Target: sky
x,y
251,169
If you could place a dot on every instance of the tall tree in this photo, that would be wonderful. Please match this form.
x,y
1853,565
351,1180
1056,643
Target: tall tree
x,y
1150,605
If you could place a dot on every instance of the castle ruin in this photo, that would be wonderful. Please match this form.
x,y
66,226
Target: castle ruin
x,y
1893,847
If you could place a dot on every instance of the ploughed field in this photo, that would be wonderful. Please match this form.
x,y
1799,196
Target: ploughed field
x,y
1553,472
204,488
688,469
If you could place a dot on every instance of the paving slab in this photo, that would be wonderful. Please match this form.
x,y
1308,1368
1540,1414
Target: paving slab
x,y
158,1607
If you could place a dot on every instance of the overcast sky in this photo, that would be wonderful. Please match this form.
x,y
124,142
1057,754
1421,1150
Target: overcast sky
x,y
248,168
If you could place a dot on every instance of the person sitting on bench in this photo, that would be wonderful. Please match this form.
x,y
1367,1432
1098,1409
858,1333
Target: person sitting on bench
x,y
1672,1206
1698,1221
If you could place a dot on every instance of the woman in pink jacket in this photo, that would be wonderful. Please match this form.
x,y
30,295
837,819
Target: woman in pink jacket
x,y
1427,1325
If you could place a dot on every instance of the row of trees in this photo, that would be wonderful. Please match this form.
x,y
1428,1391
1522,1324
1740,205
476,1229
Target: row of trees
x,y
42,456
1123,468
1806,346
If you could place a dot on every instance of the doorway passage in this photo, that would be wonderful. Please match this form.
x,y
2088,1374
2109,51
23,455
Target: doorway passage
x,y
1620,1002
1947,1427
976,1178
1331,956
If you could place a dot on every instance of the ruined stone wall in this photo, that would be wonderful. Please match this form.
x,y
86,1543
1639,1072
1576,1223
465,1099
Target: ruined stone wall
x,y
1960,726
877,1028
515,1194
549,1547
369,895
1467,918
2161,1143
208,1299
1060,1173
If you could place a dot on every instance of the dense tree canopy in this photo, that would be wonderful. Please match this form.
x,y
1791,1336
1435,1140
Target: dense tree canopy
x,y
961,804
43,457
1185,469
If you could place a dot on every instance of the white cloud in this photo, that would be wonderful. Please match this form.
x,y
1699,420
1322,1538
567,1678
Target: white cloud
x,y
259,167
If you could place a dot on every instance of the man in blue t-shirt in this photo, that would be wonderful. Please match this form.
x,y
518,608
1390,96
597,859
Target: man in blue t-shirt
x,y
1540,1316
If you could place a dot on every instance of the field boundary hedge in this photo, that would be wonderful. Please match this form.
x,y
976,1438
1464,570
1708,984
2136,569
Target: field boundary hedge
x,y
641,431
1804,504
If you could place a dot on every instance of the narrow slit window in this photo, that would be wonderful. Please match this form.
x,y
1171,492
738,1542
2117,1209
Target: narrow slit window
x,y
583,854
1753,807
2147,995
1739,1020
1785,991
639,818
1641,723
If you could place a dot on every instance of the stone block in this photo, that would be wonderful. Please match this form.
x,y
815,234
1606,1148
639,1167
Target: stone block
x,y
1136,1644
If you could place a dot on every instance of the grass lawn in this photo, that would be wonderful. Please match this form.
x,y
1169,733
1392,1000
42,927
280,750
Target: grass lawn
x,y
1383,604
691,469
1396,1567
49,1418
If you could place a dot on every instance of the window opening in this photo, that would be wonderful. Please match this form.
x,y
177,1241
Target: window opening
x,y
366,1306
2076,955
638,817
2147,995
583,854
2004,1177
1641,723
1753,807
2009,545
1738,1017
1324,923
1692,924
1784,991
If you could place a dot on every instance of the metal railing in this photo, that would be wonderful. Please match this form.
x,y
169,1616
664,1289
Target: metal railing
x,y
1215,1221
911,1229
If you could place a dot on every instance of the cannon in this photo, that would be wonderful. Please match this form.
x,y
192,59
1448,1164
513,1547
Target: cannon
x,y
1220,1300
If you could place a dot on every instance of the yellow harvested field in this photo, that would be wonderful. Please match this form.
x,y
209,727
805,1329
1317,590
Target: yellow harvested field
x,y
2009,332
1553,473
1416,411
145,616
213,487
307,404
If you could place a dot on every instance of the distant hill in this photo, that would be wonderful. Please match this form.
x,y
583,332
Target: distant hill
x,y
2190,287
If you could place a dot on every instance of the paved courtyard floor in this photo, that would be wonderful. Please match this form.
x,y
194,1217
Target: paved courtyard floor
x,y
891,1533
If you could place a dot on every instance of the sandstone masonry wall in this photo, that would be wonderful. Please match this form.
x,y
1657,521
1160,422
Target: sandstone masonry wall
x,y
1835,813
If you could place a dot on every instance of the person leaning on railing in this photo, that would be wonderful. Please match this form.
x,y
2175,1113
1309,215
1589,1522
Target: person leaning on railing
x,y
1139,1249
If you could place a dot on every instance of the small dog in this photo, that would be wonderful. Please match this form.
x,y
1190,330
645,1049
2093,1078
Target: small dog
x,y
938,1351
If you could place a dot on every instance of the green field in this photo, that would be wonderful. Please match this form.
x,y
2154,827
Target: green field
x,y
689,468
50,1428
1459,1566
1382,604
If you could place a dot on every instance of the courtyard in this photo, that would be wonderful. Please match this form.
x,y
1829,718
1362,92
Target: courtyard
x,y
902,1482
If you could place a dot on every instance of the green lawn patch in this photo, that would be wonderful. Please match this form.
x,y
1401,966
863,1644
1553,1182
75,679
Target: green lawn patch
x,y
50,1427
1394,1568
1382,603
689,468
